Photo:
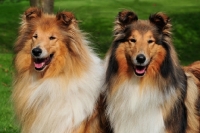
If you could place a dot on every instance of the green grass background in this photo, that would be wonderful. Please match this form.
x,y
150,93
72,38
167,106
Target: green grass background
x,y
96,18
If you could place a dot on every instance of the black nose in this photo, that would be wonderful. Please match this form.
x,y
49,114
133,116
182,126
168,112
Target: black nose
x,y
140,58
36,51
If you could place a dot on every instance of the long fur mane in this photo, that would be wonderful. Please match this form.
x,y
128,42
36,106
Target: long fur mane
x,y
164,76
63,97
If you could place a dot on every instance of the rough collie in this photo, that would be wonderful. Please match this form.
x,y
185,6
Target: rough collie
x,y
58,77
147,89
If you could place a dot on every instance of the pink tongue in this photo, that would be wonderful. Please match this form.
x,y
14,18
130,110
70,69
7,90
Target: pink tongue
x,y
140,71
39,65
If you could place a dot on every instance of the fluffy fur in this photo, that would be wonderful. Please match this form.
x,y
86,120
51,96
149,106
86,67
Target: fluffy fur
x,y
147,89
58,77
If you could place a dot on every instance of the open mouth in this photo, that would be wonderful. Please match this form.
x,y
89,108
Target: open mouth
x,y
140,70
41,63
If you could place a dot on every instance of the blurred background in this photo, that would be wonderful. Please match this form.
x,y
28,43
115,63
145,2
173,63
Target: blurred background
x,y
96,18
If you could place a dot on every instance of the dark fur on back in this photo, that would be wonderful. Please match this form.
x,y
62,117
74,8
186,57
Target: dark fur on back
x,y
169,76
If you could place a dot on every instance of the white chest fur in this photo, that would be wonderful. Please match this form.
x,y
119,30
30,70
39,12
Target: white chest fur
x,y
62,105
136,110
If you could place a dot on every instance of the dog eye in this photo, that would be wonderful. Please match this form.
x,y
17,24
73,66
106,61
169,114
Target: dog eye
x,y
35,36
150,41
52,38
133,40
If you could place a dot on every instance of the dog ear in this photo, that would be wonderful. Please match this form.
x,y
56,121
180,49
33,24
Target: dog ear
x,y
32,13
160,20
123,19
65,17
126,17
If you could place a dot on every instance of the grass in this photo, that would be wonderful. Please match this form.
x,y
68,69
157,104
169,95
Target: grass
x,y
96,18
7,124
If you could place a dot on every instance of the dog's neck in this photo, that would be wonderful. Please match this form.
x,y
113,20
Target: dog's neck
x,y
60,103
138,107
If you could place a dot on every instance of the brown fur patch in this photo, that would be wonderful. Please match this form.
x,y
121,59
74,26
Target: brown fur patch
x,y
192,97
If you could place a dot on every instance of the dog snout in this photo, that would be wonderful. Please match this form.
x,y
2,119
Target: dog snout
x,y
37,51
141,58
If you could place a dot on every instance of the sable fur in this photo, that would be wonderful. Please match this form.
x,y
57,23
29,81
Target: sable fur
x,y
156,95
61,96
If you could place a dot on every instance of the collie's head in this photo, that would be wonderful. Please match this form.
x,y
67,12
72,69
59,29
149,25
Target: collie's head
x,y
49,43
142,48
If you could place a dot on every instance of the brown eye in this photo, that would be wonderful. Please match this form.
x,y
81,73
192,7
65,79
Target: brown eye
x,y
52,38
35,36
133,40
150,41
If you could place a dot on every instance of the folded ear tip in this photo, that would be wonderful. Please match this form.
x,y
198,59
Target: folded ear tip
x,y
67,14
126,17
160,19
65,17
32,12
160,16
